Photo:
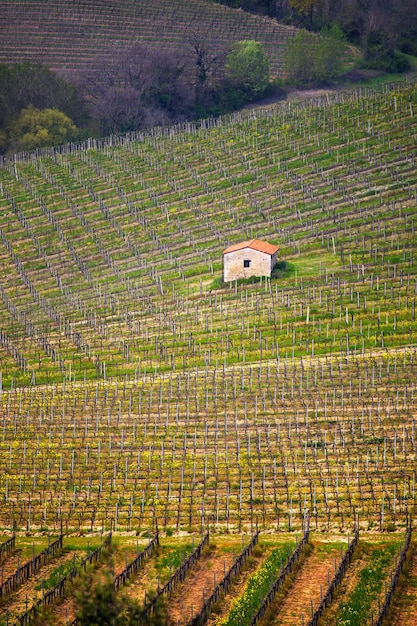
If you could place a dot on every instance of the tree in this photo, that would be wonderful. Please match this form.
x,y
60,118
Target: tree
x,y
143,88
207,57
247,68
35,128
314,58
306,9
100,605
298,66
328,53
25,84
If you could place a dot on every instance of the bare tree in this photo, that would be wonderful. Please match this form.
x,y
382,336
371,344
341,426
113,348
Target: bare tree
x,y
142,87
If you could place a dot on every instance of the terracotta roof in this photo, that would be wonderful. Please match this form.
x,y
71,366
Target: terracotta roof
x,y
255,244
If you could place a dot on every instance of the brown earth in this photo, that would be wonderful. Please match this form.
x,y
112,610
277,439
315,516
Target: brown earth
x,y
199,584
308,586
22,599
9,565
346,587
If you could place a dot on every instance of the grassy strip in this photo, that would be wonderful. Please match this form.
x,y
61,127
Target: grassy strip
x,y
243,609
356,610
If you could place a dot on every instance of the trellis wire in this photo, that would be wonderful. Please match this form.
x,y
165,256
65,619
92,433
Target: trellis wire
x,y
286,571
59,589
132,568
30,568
177,577
394,579
223,586
337,579
7,546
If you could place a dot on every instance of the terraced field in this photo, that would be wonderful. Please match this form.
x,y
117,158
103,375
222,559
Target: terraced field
x,y
140,394
78,38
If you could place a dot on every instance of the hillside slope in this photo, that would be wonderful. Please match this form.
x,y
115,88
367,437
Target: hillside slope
x,y
143,391
113,246
80,37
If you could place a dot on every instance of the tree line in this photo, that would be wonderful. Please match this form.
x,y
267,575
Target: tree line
x,y
145,87
383,28
148,87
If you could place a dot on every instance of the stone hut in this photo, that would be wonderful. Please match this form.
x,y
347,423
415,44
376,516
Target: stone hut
x,y
249,258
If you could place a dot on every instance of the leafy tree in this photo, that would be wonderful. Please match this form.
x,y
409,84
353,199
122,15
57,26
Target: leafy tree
x,y
298,65
247,68
313,58
35,128
306,9
100,605
25,84
328,53
380,53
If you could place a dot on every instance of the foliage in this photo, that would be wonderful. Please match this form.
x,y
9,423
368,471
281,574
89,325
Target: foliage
x,y
298,67
244,607
355,610
305,9
100,605
25,84
56,575
328,54
35,128
31,86
282,268
247,68
380,53
356,18
314,58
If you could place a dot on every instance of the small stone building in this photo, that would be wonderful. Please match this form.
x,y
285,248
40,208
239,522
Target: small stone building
x,y
249,258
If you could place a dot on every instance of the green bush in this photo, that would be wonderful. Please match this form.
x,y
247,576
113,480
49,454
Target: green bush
x,y
311,58
35,128
381,55
247,68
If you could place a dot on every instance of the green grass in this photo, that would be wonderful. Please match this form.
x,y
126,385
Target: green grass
x,y
356,610
56,575
311,264
244,607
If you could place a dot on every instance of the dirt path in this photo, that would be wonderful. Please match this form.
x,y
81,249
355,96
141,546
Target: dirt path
x,y
9,565
188,600
65,612
348,584
310,582
22,599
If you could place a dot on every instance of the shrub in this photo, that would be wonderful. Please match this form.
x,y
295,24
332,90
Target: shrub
x,y
247,68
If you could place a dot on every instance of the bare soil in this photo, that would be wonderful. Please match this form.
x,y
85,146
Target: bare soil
x,y
309,585
22,599
199,584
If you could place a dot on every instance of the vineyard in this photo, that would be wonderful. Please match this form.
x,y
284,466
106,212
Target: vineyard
x,y
79,38
255,439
